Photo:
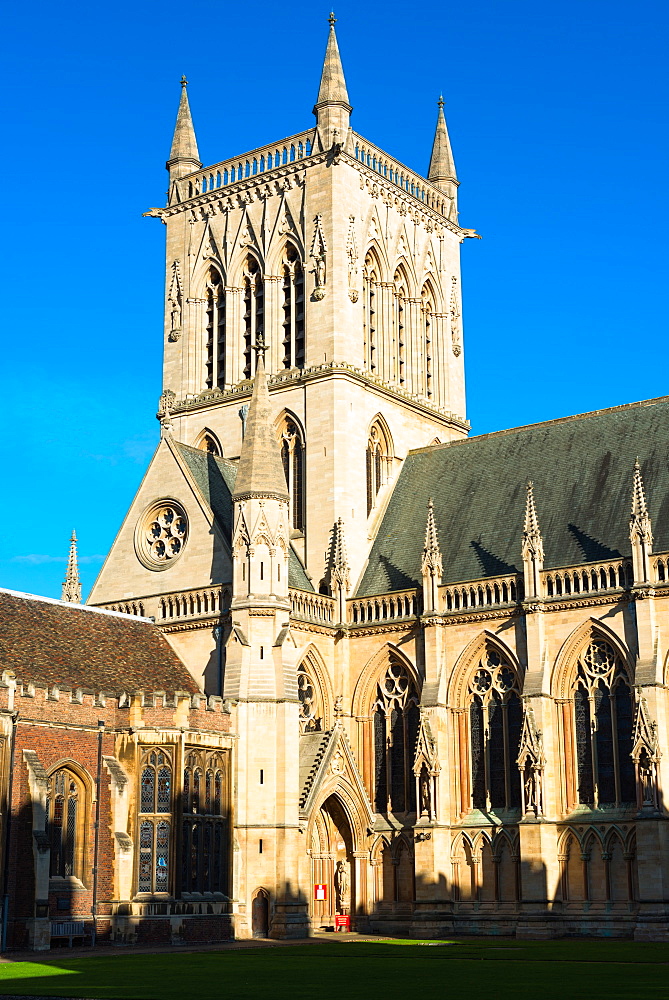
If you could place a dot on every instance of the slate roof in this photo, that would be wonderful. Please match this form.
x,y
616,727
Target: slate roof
x,y
582,469
215,478
49,643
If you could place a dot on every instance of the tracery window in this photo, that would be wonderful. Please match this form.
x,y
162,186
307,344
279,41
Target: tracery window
x,y
378,458
292,457
155,821
428,331
495,725
215,298
293,309
311,704
396,719
65,817
400,281
370,284
254,311
603,725
205,818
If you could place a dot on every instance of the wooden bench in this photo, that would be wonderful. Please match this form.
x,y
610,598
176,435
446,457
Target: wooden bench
x,y
69,929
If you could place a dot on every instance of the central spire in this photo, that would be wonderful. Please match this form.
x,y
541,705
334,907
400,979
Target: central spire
x,y
332,109
260,472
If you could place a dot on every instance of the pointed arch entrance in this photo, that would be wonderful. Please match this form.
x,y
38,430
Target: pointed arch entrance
x,y
332,863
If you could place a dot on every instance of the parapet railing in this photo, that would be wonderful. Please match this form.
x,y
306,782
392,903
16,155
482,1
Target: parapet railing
x,y
193,603
309,607
258,161
485,593
610,574
384,607
395,172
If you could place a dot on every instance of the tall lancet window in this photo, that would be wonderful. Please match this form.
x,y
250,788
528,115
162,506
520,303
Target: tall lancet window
x,y
292,456
155,821
603,727
215,297
428,345
371,273
378,459
495,724
254,311
293,309
400,281
396,717
65,819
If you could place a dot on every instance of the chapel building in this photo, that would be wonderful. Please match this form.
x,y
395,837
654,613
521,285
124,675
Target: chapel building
x,y
369,668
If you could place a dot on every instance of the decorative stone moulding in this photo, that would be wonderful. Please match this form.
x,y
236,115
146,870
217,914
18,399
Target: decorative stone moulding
x,y
161,534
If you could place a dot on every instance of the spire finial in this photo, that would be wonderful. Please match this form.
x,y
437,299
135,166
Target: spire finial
x,y
431,560
260,347
340,566
332,20
441,172
533,546
71,591
332,90
184,155
640,526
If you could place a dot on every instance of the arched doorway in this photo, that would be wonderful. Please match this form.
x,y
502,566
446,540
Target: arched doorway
x,y
260,914
332,863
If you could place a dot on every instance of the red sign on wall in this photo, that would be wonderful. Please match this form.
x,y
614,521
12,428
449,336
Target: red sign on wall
x,y
320,891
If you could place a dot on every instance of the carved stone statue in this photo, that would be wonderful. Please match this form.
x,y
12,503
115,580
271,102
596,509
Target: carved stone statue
x,y
425,796
342,886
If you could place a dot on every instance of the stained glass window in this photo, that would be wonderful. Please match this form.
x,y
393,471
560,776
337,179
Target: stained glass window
x,y
395,732
495,725
603,726
154,830
203,864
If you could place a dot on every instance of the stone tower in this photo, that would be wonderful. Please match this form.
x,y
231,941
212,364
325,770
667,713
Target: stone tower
x,y
347,262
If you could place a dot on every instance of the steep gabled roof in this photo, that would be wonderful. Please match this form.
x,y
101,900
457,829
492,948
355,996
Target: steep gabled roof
x,y
582,469
70,646
215,478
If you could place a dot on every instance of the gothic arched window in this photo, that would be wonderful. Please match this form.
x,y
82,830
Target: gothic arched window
x,y
292,457
370,282
495,725
155,821
428,333
65,820
205,809
254,311
396,718
378,459
401,331
215,297
603,725
293,309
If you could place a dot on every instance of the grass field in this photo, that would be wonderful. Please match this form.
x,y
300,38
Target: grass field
x,y
499,969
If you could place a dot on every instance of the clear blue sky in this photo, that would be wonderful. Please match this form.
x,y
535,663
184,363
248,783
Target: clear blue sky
x,y
558,118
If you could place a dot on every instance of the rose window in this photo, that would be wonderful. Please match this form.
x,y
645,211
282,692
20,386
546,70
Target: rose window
x,y
162,534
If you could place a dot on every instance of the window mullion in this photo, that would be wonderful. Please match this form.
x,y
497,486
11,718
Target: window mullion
x,y
614,734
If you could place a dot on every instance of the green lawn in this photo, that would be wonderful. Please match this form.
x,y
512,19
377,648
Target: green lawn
x,y
499,969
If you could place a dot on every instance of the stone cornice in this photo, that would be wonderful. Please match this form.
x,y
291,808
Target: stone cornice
x,y
298,376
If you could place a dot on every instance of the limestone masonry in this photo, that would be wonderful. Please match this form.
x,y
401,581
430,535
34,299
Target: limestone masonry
x,y
344,663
